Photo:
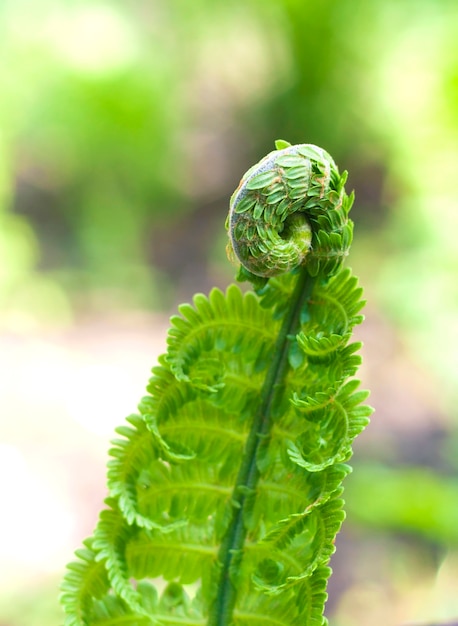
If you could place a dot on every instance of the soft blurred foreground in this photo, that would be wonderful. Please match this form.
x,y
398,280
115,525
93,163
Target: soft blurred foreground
x,y
124,130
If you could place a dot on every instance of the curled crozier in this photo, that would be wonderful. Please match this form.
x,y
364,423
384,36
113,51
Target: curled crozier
x,y
291,210
225,490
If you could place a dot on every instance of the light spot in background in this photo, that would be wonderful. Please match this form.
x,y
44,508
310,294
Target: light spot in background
x,y
91,38
61,396
35,528
104,396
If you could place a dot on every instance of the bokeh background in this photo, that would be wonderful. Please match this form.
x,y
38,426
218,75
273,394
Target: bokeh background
x,y
124,128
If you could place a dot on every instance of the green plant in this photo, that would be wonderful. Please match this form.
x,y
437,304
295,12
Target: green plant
x,y
225,492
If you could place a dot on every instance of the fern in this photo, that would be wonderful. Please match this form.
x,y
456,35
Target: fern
x,y
225,490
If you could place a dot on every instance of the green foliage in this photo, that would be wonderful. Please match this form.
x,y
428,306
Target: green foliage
x,y
225,491
266,223
405,499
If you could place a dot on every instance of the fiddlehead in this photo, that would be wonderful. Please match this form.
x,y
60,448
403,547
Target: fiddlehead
x,y
230,478
291,210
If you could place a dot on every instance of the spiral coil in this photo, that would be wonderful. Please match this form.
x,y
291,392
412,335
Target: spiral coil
x,y
291,210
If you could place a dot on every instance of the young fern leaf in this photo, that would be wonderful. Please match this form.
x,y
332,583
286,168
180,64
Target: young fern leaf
x,y
225,491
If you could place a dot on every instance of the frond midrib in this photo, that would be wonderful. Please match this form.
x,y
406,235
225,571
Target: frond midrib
x,y
248,477
189,486
225,432
256,617
180,619
219,323
173,545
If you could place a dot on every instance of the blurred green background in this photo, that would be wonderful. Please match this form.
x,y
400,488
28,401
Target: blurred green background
x,y
124,128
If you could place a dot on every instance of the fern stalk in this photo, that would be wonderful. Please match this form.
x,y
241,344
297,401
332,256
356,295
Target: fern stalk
x,y
249,473
225,491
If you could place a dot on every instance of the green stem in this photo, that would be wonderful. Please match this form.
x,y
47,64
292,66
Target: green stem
x,y
231,550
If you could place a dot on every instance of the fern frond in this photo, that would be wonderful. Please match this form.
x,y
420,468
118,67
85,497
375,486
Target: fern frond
x,y
295,547
285,486
231,323
294,606
86,580
225,490
112,611
127,475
